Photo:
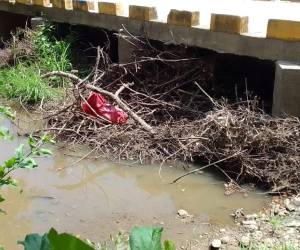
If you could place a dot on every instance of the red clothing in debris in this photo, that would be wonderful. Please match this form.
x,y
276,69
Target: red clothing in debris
x,y
96,103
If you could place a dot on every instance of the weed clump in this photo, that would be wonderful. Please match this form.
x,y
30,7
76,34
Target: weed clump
x,y
24,83
28,55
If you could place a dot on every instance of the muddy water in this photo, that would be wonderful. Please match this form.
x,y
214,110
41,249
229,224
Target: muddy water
x,y
95,198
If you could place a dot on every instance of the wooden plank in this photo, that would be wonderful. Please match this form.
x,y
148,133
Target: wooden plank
x,y
229,23
183,18
284,30
83,5
44,3
62,4
142,13
108,8
27,2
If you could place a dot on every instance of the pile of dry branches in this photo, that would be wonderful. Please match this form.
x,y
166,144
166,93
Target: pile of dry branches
x,y
165,92
18,47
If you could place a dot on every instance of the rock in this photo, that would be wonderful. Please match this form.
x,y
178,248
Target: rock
x,y
288,205
291,231
251,216
296,201
222,230
225,240
182,213
275,209
248,222
238,213
245,241
292,223
282,212
252,228
269,242
216,244
257,235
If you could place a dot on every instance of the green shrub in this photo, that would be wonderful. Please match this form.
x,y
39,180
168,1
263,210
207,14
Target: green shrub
x,y
53,54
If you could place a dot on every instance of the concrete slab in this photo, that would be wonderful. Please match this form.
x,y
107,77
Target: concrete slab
x,y
252,44
286,97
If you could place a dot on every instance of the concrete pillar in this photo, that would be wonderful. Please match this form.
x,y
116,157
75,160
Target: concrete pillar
x,y
36,22
125,50
286,95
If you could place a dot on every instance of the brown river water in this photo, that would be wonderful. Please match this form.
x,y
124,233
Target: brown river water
x,y
97,198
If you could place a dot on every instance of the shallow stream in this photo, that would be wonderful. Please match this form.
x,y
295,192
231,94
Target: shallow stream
x,y
96,198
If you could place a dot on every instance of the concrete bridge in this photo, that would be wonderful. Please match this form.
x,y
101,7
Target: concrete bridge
x,y
265,30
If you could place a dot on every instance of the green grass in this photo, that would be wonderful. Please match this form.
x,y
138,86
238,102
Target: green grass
x,y
261,246
23,80
24,83
275,222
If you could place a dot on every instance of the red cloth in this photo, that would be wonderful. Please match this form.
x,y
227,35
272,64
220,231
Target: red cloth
x,y
96,102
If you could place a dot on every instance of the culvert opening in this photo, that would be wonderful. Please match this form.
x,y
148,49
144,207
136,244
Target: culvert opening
x,y
9,23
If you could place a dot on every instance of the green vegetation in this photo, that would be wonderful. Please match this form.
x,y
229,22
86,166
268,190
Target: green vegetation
x,y
22,159
34,53
261,246
141,238
275,222
25,84
52,54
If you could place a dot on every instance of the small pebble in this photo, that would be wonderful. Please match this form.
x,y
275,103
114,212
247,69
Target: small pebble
x,y
182,213
252,228
225,239
222,230
216,243
288,205
258,235
296,201
251,216
245,241
249,222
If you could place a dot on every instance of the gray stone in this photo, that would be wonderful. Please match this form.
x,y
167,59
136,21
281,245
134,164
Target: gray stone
x,y
182,213
225,240
292,223
269,242
252,228
245,240
216,243
257,235
249,222
296,201
251,216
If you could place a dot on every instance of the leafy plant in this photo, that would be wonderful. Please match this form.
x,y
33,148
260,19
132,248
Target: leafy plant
x,y
52,53
275,222
148,238
21,158
141,238
54,241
